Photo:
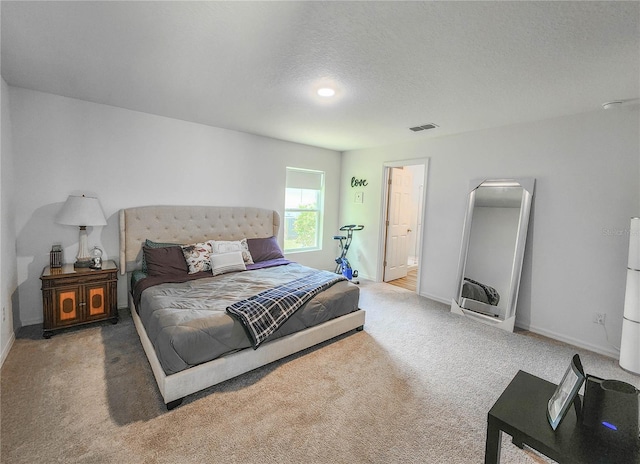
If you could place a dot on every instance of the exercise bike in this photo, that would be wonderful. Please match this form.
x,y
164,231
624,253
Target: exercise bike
x,y
342,263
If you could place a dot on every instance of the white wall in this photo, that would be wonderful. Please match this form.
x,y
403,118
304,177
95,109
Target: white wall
x,y
64,146
9,279
586,168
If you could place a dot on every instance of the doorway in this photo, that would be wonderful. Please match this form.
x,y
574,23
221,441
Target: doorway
x,y
402,228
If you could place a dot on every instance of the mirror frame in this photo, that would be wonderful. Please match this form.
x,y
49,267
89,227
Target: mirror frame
x,y
528,185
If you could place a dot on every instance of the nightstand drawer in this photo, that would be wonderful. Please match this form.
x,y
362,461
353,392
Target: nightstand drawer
x,y
78,279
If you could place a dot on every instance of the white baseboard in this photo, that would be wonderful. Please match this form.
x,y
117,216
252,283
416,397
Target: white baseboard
x,y
364,277
603,350
439,299
35,321
6,348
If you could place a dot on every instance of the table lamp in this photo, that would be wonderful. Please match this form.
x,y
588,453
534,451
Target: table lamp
x,y
82,212
630,343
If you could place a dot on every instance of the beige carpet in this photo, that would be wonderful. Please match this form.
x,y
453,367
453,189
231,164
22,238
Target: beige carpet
x,y
414,387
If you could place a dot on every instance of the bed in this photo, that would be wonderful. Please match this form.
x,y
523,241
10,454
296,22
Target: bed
x,y
217,346
480,298
478,291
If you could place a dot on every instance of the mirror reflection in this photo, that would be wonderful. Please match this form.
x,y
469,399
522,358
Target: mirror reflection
x,y
492,250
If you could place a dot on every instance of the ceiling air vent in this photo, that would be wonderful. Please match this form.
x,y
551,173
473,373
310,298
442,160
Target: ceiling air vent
x,y
424,127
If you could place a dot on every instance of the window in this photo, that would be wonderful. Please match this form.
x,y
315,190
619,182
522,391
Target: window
x,y
304,196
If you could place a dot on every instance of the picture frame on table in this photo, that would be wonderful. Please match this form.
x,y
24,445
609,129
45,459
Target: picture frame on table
x,y
566,393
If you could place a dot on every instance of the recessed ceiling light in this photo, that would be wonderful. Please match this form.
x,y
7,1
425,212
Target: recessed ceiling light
x,y
326,92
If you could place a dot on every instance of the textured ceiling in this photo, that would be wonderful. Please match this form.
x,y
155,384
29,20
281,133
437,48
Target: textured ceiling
x,y
254,66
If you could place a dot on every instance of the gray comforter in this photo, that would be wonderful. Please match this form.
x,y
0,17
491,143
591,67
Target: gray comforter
x,y
188,324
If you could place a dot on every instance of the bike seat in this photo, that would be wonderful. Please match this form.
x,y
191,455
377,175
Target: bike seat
x,y
339,237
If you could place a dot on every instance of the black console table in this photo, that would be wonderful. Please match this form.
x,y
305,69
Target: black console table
x,y
521,412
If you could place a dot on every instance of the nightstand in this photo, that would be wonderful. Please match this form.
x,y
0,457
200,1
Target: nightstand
x,y
521,411
72,297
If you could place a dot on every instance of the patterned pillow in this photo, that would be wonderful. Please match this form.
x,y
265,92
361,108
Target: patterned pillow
x,y
197,256
221,263
221,246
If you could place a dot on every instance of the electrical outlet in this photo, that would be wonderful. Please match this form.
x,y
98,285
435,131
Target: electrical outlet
x,y
599,318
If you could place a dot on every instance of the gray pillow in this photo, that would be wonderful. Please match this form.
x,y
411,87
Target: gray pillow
x,y
165,261
151,244
264,249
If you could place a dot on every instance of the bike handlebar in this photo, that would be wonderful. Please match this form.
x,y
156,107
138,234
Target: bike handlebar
x,y
352,227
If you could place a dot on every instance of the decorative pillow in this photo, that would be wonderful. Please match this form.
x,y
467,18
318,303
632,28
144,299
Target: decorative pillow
x,y
264,249
165,261
197,256
151,244
221,246
221,263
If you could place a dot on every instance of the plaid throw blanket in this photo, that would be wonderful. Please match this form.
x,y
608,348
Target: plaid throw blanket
x,y
264,313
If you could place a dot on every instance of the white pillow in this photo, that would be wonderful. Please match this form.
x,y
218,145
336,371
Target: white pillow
x,y
221,263
222,246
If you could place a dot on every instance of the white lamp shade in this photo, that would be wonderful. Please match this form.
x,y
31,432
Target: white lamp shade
x,y
630,346
634,244
81,211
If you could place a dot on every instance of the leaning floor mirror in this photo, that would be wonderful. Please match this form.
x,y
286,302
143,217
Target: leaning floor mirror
x,y
493,243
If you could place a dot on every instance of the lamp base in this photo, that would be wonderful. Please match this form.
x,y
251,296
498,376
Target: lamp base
x,y
82,263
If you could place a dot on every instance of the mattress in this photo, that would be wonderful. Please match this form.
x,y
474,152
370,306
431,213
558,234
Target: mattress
x,y
187,322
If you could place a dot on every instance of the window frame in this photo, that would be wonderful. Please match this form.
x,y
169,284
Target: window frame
x,y
319,210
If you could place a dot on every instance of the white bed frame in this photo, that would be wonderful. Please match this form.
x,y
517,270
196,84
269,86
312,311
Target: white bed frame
x,y
190,224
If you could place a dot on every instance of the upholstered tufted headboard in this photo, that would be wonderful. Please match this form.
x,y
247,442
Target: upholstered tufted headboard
x,y
189,224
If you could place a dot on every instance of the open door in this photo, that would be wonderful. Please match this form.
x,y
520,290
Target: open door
x,y
399,207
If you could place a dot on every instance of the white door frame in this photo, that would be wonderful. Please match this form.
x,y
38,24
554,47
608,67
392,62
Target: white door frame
x,y
382,233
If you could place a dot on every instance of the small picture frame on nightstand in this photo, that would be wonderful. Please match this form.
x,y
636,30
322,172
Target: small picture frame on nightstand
x,y
566,393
